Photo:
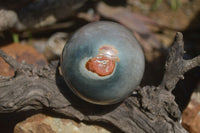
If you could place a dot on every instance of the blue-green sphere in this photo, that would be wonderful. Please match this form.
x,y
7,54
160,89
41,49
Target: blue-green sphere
x,y
102,63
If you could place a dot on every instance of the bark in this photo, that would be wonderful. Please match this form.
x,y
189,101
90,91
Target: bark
x,y
150,109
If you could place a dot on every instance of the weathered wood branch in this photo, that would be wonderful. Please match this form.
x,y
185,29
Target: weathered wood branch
x,y
151,109
176,65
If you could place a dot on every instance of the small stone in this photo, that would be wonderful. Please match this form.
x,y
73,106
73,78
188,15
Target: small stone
x,y
191,117
22,53
41,123
55,45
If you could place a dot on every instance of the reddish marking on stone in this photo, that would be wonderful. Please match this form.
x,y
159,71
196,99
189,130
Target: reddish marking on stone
x,y
104,63
101,65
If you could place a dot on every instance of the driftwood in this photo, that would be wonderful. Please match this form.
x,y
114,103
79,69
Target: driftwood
x,y
151,109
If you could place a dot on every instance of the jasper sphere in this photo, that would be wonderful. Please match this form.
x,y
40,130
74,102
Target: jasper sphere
x,y
102,63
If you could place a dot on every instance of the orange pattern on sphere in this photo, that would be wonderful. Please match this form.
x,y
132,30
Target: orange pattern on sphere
x,y
104,63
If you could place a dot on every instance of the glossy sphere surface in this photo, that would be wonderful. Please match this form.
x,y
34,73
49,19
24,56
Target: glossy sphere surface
x,y
102,63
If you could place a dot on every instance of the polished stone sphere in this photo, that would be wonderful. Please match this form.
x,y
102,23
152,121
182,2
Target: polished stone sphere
x,y
102,63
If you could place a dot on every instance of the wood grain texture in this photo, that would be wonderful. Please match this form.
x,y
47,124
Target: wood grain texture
x,y
151,109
